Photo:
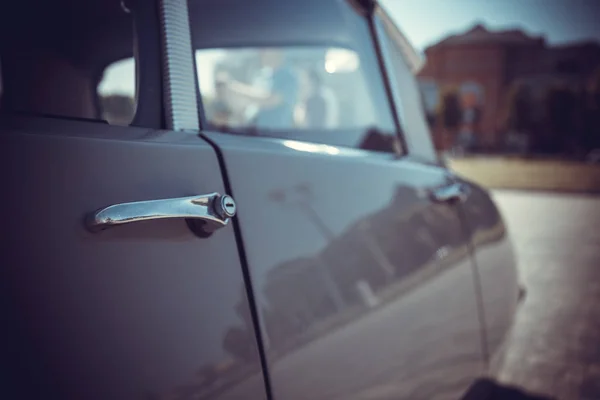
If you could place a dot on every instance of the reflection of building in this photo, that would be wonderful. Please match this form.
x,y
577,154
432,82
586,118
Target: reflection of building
x,y
492,61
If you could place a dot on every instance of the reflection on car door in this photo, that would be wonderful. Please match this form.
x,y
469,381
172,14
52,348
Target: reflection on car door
x,y
492,252
364,285
143,309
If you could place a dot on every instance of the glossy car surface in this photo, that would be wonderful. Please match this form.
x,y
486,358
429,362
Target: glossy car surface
x,y
357,266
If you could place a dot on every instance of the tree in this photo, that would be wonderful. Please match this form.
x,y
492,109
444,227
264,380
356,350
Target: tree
x,y
118,109
519,119
591,129
450,113
594,89
520,109
561,108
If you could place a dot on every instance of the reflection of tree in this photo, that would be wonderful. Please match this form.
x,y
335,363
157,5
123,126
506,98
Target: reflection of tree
x,y
376,140
481,211
303,204
240,341
211,380
487,388
298,297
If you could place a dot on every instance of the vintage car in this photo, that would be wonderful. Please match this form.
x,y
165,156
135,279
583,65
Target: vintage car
x,y
233,199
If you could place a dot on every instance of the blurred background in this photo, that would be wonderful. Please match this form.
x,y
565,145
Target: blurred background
x,y
510,81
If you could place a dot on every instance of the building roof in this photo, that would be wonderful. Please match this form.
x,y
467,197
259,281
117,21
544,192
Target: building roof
x,y
480,34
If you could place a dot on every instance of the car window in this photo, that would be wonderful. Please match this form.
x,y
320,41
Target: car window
x,y
82,67
321,92
117,92
320,88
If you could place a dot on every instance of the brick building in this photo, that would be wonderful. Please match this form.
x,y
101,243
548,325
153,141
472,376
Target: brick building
x,y
483,64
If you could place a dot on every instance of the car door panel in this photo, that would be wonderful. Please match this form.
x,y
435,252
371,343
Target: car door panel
x,y
364,286
143,310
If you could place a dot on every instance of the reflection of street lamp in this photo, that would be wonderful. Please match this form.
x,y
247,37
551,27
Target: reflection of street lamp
x,y
280,196
376,251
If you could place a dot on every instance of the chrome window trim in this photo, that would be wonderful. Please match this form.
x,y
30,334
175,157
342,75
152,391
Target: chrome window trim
x,y
386,32
178,69
411,56
391,71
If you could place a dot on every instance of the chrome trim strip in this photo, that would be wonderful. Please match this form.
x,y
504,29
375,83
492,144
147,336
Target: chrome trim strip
x,y
179,91
391,70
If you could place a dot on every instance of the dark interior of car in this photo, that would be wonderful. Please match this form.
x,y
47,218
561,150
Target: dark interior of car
x,y
53,54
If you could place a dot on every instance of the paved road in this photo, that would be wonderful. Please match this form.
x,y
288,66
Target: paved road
x,y
555,347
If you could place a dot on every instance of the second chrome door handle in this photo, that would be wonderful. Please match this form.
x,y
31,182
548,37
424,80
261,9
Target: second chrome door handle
x,y
212,211
455,192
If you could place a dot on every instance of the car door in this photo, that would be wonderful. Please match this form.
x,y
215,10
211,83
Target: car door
x,y
357,255
492,253
148,308
494,264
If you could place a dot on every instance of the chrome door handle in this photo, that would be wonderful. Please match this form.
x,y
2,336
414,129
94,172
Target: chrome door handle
x,y
453,193
213,211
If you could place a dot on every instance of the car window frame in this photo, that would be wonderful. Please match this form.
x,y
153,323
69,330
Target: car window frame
x,y
387,70
409,139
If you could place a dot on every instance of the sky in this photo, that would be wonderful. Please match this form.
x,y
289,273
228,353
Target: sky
x,y
425,22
